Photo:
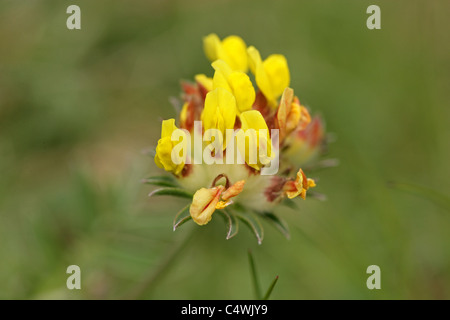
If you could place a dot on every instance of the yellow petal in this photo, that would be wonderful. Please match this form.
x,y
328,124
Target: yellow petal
x,y
261,76
253,119
254,58
158,162
167,128
299,186
223,67
293,118
311,183
262,145
277,70
223,204
237,82
243,90
232,50
284,110
271,75
204,204
205,81
291,190
305,117
236,55
212,46
163,157
219,111
220,81
184,114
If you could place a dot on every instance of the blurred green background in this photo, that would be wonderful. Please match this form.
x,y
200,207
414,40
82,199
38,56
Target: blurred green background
x,y
78,107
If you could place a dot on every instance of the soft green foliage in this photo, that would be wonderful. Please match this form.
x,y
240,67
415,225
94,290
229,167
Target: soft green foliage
x,y
77,108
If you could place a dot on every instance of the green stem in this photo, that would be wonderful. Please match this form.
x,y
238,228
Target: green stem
x,y
155,275
254,276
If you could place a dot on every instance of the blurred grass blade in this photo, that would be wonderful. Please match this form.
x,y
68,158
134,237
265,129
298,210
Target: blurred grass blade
x,y
316,195
327,163
182,216
278,223
253,223
148,282
176,104
161,181
269,291
232,223
424,192
290,204
176,192
151,152
255,281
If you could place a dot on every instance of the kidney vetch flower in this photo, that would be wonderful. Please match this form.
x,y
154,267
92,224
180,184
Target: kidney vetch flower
x,y
241,142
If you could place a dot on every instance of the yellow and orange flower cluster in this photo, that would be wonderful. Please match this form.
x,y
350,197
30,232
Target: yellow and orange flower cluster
x,y
244,91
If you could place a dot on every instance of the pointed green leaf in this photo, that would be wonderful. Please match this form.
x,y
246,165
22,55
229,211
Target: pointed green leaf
x,y
278,223
162,181
256,287
269,291
182,216
232,223
176,192
253,223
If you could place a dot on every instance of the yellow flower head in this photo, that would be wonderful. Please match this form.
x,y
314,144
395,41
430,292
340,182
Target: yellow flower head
x,y
232,50
225,119
163,157
271,75
236,82
254,139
